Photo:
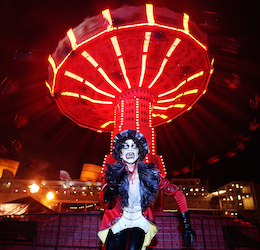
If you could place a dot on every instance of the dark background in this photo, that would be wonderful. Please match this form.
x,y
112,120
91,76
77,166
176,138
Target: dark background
x,y
217,140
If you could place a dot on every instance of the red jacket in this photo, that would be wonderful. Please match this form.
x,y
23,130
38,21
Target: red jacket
x,y
114,210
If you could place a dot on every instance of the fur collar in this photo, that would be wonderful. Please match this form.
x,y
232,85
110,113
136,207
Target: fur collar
x,y
149,180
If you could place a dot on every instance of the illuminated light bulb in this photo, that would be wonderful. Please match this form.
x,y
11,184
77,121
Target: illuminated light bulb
x,y
50,196
34,188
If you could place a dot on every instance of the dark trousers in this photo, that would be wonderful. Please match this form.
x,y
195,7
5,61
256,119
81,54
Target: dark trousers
x,y
128,239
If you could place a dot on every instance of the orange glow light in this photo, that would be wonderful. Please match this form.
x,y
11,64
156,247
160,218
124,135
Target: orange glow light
x,y
50,196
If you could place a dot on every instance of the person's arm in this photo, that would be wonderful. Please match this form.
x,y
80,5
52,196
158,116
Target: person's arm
x,y
173,190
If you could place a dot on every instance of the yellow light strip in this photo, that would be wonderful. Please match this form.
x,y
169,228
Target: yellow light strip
x,y
122,65
182,83
98,90
165,60
144,59
189,92
195,76
48,85
102,72
73,76
120,59
161,116
144,56
173,90
121,115
137,115
87,56
186,22
107,16
171,106
149,14
147,38
52,63
173,47
116,46
70,94
159,73
95,101
72,39
106,124
85,98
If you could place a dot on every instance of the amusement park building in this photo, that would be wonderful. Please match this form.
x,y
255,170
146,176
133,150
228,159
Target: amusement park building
x,y
66,195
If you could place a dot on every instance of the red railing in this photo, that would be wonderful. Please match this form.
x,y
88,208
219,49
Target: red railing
x,y
71,231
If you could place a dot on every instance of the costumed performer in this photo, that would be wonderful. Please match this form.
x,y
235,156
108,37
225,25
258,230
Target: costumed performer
x,y
129,188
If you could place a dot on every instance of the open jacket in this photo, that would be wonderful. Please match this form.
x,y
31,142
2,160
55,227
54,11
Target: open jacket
x,y
150,183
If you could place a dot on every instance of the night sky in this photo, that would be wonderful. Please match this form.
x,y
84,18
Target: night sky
x,y
218,138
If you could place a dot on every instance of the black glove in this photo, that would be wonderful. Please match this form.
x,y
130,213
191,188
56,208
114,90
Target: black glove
x,y
113,176
188,232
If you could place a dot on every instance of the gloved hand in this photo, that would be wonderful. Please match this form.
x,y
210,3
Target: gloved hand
x,y
113,176
188,232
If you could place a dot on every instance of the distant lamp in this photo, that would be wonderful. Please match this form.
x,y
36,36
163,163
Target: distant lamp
x,y
34,188
50,196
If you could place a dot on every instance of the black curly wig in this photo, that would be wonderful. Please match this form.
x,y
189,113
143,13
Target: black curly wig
x,y
136,136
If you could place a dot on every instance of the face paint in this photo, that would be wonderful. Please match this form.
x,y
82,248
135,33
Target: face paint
x,y
129,152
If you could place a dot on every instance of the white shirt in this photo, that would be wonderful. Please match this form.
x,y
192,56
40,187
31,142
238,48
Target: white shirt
x,y
132,215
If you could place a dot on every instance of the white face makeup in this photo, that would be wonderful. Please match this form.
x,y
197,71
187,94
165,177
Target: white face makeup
x,y
129,152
